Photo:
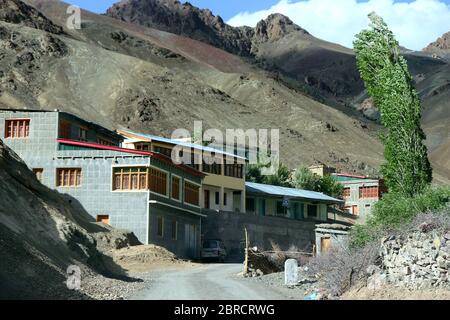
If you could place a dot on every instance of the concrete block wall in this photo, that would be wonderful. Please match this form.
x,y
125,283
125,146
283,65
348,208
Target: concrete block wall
x,y
43,134
126,210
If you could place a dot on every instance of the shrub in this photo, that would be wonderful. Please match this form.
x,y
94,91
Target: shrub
x,y
395,209
343,266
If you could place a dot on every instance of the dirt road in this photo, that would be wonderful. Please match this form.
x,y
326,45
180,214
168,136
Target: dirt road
x,y
207,282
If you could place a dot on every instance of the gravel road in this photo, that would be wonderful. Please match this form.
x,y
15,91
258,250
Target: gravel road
x,y
207,282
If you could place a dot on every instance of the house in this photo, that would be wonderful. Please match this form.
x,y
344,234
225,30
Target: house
x,y
330,236
360,193
138,190
268,200
322,170
223,186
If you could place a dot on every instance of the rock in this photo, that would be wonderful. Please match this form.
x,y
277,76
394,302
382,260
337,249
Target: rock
x,y
376,281
372,269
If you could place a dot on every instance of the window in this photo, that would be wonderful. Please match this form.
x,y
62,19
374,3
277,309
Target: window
x,y
82,134
158,181
68,177
206,198
160,227
312,211
225,198
135,178
346,193
103,219
165,151
174,230
191,193
217,200
368,192
64,130
214,167
105,142
142,146
250,204
281,210
17,128
175,188
352,210
234,170
39,173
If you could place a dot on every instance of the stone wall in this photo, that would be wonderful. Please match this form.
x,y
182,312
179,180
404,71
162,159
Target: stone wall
x,y
418,260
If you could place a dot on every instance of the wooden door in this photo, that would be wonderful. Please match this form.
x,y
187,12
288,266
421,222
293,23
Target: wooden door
x,y
325,244
206,195
103,219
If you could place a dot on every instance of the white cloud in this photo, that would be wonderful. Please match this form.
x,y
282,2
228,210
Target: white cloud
x,y
415,24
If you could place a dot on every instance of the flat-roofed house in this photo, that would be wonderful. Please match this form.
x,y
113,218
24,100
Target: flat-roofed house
x,y
360,193
138,190
223,187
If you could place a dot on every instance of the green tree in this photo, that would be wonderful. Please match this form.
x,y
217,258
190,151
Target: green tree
x,y
253,173
281,178
385,73
330,186
305,179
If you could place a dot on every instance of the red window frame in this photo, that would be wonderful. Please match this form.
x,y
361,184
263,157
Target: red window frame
x,y
17,128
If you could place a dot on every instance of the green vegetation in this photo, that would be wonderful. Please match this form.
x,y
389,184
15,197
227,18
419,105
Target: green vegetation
x,y
396,210
305,179
407,170
385,73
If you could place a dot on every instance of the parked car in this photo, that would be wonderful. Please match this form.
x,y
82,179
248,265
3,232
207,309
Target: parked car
x,y
214,249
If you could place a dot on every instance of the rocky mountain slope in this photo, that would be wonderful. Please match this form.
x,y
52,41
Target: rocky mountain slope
x,y
440,47
124,75
325,71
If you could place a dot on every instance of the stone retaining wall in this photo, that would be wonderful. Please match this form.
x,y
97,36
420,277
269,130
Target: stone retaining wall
x,y
419,260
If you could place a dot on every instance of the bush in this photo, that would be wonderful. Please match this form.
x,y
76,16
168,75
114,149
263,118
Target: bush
x,y
395,209
343,266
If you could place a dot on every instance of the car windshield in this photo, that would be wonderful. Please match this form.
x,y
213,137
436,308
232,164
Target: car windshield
x,y
210,244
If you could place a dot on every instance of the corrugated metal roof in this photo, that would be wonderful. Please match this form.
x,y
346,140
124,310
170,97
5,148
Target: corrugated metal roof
x,y
252,187
183,143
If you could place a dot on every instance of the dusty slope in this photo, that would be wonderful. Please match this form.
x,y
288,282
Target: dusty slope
x,y
39,237
41,234
324,70
119,74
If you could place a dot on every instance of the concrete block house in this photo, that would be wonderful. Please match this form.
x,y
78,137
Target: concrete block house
x,y
360,194
138,190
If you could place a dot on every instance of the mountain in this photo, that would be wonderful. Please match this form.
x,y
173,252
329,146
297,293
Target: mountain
x,y
319,69
15,11
440,47
122,75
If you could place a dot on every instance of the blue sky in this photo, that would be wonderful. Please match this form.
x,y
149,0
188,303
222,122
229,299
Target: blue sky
x,y
416,23
225,8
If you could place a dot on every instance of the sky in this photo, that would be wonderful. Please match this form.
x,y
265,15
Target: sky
x,y
415,23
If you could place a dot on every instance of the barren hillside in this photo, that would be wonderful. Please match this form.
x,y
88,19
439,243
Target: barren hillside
x,y
124,75
322,70
40,236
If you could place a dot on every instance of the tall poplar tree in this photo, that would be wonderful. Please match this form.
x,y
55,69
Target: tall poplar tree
x,y
385,73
